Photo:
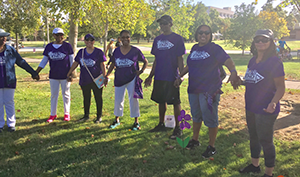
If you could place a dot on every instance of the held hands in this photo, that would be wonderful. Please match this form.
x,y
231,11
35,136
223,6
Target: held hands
x,y
37,77
271,108
235,80
177,82
148,82
69,79
138,72
105,81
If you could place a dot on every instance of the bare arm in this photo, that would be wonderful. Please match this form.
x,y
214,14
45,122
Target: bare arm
x,y
280,89
234,79
180,63
149,78
143,67
179,80
73,67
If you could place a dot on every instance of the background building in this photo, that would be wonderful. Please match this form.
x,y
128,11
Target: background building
x,y
224,13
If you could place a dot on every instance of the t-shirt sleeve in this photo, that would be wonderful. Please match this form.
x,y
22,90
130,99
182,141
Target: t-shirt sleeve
x,y
78,56
220,54
103,58
141,56
180,47
45,53
277,68
70,50
154,47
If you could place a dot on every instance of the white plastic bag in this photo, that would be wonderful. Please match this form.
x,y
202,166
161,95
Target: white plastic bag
x,y
170,121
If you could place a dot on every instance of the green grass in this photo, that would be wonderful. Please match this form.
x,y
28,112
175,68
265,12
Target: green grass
x,y
85,149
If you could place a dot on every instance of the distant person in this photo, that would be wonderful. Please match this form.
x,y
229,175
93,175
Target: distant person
x,y
264,80
93,59
118,43
205,82
126,61
168,49
8,58
282,43
60,56
109,49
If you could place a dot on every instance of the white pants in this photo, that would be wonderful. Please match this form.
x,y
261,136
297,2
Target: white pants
x,y
119,100
7,100
65,91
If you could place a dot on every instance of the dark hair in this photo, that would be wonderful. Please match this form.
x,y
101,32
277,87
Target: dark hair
x,y
270,52
124,31
196,33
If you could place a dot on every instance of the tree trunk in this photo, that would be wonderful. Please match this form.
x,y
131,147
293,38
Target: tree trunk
x,y
243,52
105,35
73,36
138,39
47,25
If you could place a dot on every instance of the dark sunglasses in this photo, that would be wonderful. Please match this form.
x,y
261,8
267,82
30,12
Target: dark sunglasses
x,y
89,39
263,40
125,37
59,34
204,32
163,23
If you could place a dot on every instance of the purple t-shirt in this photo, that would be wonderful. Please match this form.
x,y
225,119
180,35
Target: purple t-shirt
x,y
203,63
3,83
92,62
58,60
260,86
126,65
166,49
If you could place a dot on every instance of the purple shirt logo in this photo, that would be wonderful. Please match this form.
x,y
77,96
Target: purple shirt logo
x,y
124,63
56,55
164,45
252,76
199,55
88,62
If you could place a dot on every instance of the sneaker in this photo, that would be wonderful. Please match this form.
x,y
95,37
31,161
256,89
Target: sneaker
x,y
265,175
210,151
11,129
51,118
250,168
177,132
159,128
114,124
136,126
1,130
85,118
98,120
67,117
192,143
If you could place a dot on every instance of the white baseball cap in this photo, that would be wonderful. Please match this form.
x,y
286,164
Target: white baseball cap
x,y
58,31
3,33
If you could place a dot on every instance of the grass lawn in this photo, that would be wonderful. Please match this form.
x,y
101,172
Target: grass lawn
x,y
77,149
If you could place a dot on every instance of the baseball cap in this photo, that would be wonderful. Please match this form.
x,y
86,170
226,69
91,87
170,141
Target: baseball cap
x,y
112,39
89,36
58,31
3,33
265,33
165,18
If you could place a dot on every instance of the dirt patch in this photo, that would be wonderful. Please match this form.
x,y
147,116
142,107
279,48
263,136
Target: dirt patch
x,y
287,125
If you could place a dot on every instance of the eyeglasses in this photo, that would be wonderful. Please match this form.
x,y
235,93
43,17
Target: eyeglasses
x,y
125,37
204,32
163,23
263,40
89,39
59,34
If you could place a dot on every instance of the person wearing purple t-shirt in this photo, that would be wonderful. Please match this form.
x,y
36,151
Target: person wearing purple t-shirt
x,y
93,59
126,61
264,80
60,56
168,49
8,58
203,65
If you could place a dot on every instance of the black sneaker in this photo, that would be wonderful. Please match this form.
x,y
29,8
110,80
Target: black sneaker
x,y
250,168
159,128
114,124
177,132
265,175
98,120
136,126
192,143
210,151
11,129
85,118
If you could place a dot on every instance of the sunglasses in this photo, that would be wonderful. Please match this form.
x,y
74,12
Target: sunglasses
x,y
263,40
163,23
125,37
89,39
204,32
59,34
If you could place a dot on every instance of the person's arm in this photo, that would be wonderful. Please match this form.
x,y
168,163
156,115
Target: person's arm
x,y
24,65
145,63
42,64
180,63
280,90
234,79
71,58
148,80
107,47
73,67
179,80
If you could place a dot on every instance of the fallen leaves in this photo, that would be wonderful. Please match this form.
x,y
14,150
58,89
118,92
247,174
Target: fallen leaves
x,y
169,147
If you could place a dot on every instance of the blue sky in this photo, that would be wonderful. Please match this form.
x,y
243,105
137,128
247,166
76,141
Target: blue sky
x,y
232,3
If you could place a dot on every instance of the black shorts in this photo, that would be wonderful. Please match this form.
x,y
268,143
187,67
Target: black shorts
x,y
165,92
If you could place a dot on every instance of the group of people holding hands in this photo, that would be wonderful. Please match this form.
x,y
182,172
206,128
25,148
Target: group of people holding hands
x,y
264,81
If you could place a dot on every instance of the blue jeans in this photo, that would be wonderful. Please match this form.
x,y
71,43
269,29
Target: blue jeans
x,y
200,111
